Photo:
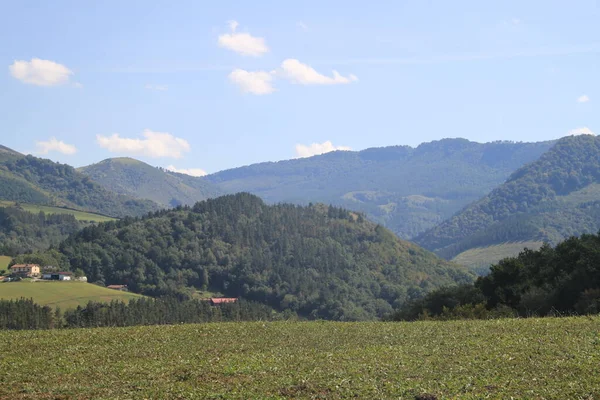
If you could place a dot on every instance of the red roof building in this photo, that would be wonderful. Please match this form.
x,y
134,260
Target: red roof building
x,y
222,300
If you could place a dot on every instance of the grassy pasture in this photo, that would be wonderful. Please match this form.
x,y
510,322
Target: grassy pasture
x,y
79,215
4,261
552,358
484,256
61,294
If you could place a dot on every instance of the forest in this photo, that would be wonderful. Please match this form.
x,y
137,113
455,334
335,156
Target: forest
x,y
317,261
559,280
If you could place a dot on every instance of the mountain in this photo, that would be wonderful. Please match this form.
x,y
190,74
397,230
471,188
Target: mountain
x,y
318,261
137,179
35,180
548,200
405,189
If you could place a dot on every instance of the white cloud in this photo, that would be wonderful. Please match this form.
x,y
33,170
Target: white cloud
x,y
317,148
303,74
243,43
40,72
302,26
583,99
190,171
55,145
515,21
154,144
257,82
159,88
580,131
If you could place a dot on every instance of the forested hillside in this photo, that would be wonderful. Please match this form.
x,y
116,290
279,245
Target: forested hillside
x,y
563,279
35,180
25,232
548,200
140,180
318,261
406,189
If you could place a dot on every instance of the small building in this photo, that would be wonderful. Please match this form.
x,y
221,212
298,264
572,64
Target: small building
x,y
57,276
222,300
122,288
27,270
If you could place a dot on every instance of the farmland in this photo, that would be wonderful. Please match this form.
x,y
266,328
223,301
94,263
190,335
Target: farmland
x,y
4,261
61,294
552,358
79,215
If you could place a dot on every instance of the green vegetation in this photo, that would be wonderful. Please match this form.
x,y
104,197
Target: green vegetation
x,y
28,179
545,201
79,215
140,180
552,358
405,189
317,261
480,258
25,232
62,294
564,279
4,261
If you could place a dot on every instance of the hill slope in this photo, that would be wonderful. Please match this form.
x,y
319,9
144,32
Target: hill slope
x,y
62,294
35,180
547,200
406,189
321,262
140,180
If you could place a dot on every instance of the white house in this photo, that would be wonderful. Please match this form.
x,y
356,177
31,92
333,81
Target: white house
x,y
58,276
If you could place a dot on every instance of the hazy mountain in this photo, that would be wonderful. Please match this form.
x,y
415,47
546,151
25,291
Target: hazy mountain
x,y
552,198
406,189
138,179
319,261
35,180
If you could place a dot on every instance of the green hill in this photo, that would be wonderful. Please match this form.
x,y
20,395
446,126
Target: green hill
x,y
33,180
318,261
137,179
550,199
79,215
408,190
61,294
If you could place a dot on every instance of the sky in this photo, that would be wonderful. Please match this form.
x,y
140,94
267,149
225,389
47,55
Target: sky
x,y
200,86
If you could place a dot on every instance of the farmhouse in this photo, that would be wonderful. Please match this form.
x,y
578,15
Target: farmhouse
x,y
122,288
25,269
57,276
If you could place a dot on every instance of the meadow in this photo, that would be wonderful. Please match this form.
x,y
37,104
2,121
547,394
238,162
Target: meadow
x,y
79,215
4,261
480,258
551,358
61,294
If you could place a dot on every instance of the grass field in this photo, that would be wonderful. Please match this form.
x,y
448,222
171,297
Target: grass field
x,y
4,261
484,256
61,294
79,215
549,358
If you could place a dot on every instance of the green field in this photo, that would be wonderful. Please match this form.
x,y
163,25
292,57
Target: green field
x,y
79,215
481,257
552,358
4,261
61,294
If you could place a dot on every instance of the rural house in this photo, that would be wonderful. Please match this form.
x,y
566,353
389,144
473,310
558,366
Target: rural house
x,y
222,300
25,269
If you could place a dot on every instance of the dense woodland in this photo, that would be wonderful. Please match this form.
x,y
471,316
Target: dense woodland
x,y
24,232
317,261
547,200
553,280
25,314
140,180
35,180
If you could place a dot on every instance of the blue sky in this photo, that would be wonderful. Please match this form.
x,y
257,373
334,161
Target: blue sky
x,y
213,85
